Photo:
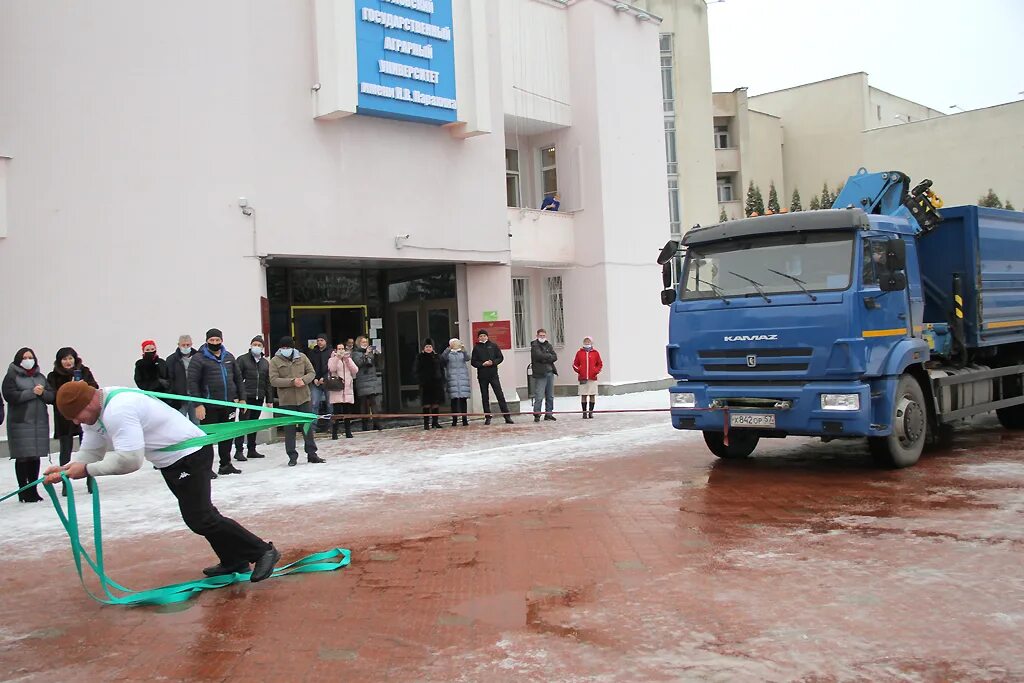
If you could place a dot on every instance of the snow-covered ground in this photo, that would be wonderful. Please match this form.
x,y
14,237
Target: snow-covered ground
x,y
368,472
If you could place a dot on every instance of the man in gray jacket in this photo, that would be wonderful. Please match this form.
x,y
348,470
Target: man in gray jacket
x,y
291,373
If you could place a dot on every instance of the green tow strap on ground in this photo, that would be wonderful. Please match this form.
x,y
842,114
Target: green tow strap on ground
x,y
326,561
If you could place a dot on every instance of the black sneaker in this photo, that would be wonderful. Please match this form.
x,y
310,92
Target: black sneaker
x,y
228,469
315,458
239,457
487,420
264,566
508,420
255,454
221,570
292,462
550,418
536,418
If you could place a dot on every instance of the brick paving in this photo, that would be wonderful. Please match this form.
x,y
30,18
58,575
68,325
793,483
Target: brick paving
x,y
648,564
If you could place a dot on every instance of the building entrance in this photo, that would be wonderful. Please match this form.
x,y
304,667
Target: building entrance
x,y
339,322
409,324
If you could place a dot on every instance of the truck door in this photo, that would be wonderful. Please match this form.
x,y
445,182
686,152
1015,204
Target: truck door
x,y
885,316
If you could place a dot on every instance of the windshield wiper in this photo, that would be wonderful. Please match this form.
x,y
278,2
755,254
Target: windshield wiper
x,y
757,285
799,283
719,292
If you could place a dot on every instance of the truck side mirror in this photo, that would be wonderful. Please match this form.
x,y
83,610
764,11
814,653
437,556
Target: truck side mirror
x,y
666,275
892,281
895,254
668,297
668,252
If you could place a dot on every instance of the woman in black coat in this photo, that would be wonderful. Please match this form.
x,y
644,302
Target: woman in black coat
x,y
28,422
68,367
430,374
151,372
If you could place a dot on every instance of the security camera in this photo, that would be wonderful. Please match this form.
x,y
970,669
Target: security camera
x,y
242,202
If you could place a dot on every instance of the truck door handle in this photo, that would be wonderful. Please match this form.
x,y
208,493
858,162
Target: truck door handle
x,y
902,316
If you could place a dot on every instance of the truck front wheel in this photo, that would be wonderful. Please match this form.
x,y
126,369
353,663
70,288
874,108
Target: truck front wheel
x,y
903,447
741,444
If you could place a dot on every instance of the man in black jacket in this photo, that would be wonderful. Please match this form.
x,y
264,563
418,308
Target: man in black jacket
x,y
177,372
318,356
213,373
486,359
254,369
542,358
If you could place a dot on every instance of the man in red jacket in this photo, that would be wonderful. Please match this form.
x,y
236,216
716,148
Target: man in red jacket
x,y
587,365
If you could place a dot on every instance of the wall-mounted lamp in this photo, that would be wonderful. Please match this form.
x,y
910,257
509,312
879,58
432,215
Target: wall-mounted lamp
x,y
243,204
400,240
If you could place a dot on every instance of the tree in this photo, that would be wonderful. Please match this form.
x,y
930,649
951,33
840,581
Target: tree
x,y
1008,206
815,203
795,204
755,202
827,198
991,200
722,217
773,198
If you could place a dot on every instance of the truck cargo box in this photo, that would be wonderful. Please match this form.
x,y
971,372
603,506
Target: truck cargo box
x,y
986,248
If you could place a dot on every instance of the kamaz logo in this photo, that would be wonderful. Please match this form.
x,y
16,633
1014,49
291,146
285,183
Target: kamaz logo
x,y
752,337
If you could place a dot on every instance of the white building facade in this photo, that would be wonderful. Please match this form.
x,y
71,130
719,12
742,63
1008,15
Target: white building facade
x,y
339,166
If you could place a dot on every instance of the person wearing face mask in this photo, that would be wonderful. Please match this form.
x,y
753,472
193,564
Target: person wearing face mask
x,y
177,372
341,390
369,388
28,421
255,373
151,371
543,357
587,365
291,374
213,373
68,367
455,361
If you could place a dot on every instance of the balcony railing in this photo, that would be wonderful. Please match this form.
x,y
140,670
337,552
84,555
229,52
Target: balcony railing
x,y
541,237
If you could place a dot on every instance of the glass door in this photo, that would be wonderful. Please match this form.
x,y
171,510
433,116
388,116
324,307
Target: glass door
x,y
409,324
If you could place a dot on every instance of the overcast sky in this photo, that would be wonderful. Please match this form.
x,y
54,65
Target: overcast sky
x,y
937,52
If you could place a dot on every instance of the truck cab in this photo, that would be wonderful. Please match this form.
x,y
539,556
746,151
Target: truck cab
x,y
813,323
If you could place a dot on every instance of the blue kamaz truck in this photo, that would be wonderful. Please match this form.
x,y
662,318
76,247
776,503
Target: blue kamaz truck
x,y
889,318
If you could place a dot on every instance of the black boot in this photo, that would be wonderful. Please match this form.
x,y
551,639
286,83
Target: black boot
x,y
464,408
487,420
264,566
591,409
348,429
435,422
334,431
426,423
254,454
584,409
536,417
314,458
455,409
508,419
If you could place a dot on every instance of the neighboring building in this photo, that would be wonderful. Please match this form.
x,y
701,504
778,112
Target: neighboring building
x,y
343,166
748,148
823,132
686,93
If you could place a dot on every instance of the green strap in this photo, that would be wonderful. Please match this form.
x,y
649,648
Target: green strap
x,y
326,561
215,433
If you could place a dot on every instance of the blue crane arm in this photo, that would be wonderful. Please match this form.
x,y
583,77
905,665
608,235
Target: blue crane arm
x,y
889,194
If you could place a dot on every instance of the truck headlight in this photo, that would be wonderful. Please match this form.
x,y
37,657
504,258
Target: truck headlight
x,y
848,402
684,400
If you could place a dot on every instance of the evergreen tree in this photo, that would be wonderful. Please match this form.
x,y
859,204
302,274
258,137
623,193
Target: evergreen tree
x,y
827,198
991,200
773,198
795,205
749,206
721,215
758,201
1008,206
815,203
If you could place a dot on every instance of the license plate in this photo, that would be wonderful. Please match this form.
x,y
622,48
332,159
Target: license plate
x,y
752,420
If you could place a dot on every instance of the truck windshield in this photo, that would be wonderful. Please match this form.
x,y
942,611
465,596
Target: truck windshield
x,y
778,264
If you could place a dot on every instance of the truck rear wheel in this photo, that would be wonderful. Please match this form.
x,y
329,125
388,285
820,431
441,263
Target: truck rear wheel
x,y
1012,417
903,447
741,444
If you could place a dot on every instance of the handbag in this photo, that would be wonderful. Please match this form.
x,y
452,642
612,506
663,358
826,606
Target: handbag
x,y
335,383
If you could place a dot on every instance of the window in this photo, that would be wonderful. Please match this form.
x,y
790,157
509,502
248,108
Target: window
x,y
878,111
556,317
874,261
725,189
673,205
721,137
548,172
670,146
512,193
667,86
521,311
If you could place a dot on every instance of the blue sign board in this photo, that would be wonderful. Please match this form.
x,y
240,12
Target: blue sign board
x,y
406,59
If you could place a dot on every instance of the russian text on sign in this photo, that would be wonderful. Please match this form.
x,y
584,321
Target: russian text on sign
x,y
388,20
409,48
425,6
407,71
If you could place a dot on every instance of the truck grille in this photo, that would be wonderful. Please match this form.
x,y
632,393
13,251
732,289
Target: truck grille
x,y
764,360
